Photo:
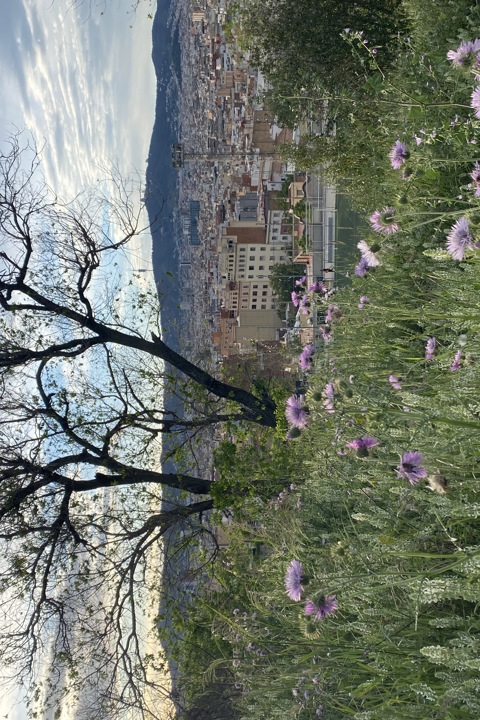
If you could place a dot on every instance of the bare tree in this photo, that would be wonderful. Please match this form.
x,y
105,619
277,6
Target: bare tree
x,y
82,519
83,505
51,255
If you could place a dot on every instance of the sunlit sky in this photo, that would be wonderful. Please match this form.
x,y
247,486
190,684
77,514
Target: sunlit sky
x,y
81,81
83,84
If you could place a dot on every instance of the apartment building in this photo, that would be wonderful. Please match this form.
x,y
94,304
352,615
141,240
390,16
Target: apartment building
x,y
246,259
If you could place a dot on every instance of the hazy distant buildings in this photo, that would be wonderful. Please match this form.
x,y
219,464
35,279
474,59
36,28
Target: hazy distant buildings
x,y
190,222
256,221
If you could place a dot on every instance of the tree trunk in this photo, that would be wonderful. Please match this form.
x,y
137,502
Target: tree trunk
x,y
258,410
168,518
137,476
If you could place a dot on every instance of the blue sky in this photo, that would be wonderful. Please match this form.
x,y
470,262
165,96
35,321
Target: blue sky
x,y
84,85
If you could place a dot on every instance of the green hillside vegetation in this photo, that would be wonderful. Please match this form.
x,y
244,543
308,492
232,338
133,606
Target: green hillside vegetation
x,y
354,591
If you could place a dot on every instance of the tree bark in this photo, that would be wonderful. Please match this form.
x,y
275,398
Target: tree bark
x,y
136,476
258,410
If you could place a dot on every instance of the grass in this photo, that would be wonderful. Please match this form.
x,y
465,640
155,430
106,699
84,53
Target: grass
x,y
402,558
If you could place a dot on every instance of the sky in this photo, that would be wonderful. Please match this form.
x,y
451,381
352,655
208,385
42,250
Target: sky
x,y
83,84
80,81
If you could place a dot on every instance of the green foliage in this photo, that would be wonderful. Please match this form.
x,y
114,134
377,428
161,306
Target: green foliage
x,y
402,558
418,97
453,20
282,282
253,468
299,47
300,209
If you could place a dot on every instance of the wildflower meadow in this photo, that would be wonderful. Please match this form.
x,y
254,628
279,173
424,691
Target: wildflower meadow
x,y
355,592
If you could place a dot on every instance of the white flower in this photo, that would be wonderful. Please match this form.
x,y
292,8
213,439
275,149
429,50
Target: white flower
x,y
368,253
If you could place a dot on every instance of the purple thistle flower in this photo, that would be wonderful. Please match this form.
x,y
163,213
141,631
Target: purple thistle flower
x,y
383,220
295,298
410,467
301,281
333,313
430,348
362,444
328,405
457,362
364,300
395,382
475,103
293,580
329,391
368,254
317,287
306,356
475,175
328,394
459,239
305,362
398,154
362,268
465,54
308,350
295,412
324,606
304,305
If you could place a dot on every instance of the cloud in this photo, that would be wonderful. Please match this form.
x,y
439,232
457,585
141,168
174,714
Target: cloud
x,y
81,81
84,85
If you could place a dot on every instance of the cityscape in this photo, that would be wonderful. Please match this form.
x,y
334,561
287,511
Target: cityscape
x,y
245,210
239,416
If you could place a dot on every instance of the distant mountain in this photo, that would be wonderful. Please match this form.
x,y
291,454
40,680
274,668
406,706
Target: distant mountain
x,y
161,190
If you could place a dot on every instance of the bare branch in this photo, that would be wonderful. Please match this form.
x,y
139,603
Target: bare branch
x,y
85,507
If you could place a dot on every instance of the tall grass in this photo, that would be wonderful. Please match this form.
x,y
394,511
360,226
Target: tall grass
x,y
396,540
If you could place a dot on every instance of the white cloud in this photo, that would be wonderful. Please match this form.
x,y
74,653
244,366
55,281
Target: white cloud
x,y
84,84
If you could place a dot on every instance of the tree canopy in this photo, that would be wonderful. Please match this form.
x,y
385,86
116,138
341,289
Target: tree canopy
x,y
298,45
